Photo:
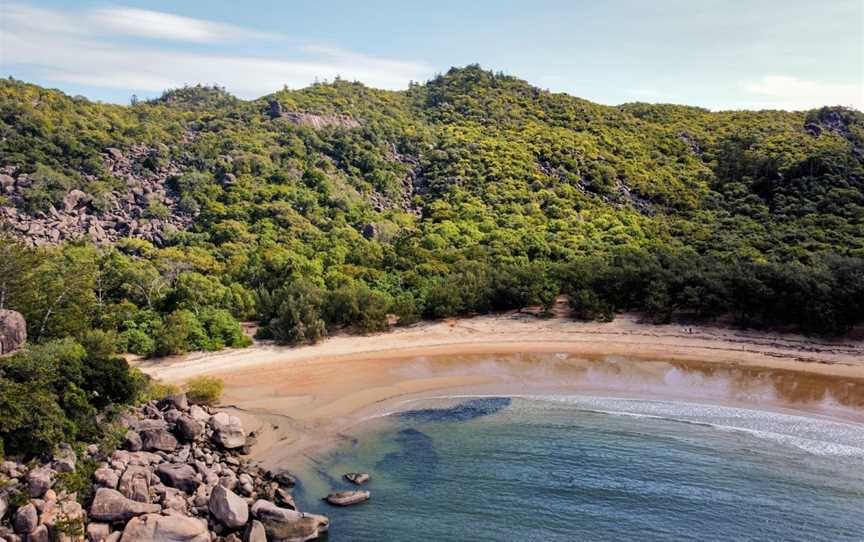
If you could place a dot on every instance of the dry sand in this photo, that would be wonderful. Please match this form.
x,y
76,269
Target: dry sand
x,y
302,399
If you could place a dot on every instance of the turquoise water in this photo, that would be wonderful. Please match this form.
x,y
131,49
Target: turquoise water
x,y
594,468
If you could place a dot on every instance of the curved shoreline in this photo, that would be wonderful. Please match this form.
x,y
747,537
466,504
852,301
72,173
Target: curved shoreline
x,y
518,332
302,400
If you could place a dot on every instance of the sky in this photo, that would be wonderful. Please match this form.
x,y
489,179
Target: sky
x,y
719,54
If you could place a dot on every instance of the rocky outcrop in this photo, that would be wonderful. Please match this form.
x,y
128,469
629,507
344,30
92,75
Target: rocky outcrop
x,y
147,208
199,491
317,122
13,330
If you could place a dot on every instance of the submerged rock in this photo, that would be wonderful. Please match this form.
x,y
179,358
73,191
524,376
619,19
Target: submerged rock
x,y
358,478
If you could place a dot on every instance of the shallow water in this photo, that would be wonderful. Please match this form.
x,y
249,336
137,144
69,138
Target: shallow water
x,y
577,467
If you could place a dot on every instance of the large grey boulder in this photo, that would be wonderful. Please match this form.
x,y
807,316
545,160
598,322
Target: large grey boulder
x,y
198,413
228,508
64,459
7,184
39,534
110,505
132,441
98,532
158,528
75,199
188,428
106,477
158,439
135,483
288,525
4,505
179,476
26,519
13,330
177,401
255,532
227,431
147,424
39,481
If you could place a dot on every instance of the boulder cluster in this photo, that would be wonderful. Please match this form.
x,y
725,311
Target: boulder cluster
x,y
105,217
177,478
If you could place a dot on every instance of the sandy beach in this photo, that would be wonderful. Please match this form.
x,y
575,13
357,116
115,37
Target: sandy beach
x,y
300,399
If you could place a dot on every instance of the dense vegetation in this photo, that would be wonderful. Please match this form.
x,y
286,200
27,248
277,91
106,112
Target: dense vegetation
x,y
471,193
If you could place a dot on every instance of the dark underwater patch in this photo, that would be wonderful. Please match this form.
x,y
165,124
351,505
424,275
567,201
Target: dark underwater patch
x,y
463,412
415,449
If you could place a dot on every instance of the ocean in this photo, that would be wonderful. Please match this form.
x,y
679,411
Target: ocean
x,y
595,468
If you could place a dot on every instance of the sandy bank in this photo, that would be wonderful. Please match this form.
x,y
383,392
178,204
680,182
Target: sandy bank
x,y
513,333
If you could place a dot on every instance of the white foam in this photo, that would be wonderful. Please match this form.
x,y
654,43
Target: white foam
x,y
813,434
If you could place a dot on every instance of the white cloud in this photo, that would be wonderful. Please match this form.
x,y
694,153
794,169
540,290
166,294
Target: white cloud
x,y
67,48
159,25
783,92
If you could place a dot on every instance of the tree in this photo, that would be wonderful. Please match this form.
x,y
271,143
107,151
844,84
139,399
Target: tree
x,y
298,317
60,298
16,265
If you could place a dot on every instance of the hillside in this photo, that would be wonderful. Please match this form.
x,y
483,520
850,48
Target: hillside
x,y
472,192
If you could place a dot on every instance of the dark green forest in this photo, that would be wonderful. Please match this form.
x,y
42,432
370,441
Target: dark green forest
x,y
332,206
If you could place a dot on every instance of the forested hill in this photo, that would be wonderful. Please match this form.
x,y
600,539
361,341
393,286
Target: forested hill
x,y
333,205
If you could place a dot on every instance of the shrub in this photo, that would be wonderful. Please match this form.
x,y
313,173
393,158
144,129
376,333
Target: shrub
x,y
223,330
181,333
204,389
587,305
138,342
156,390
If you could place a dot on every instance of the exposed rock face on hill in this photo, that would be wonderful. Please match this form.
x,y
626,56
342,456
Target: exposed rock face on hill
x,y
199,492
147,209
317,122
13,330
